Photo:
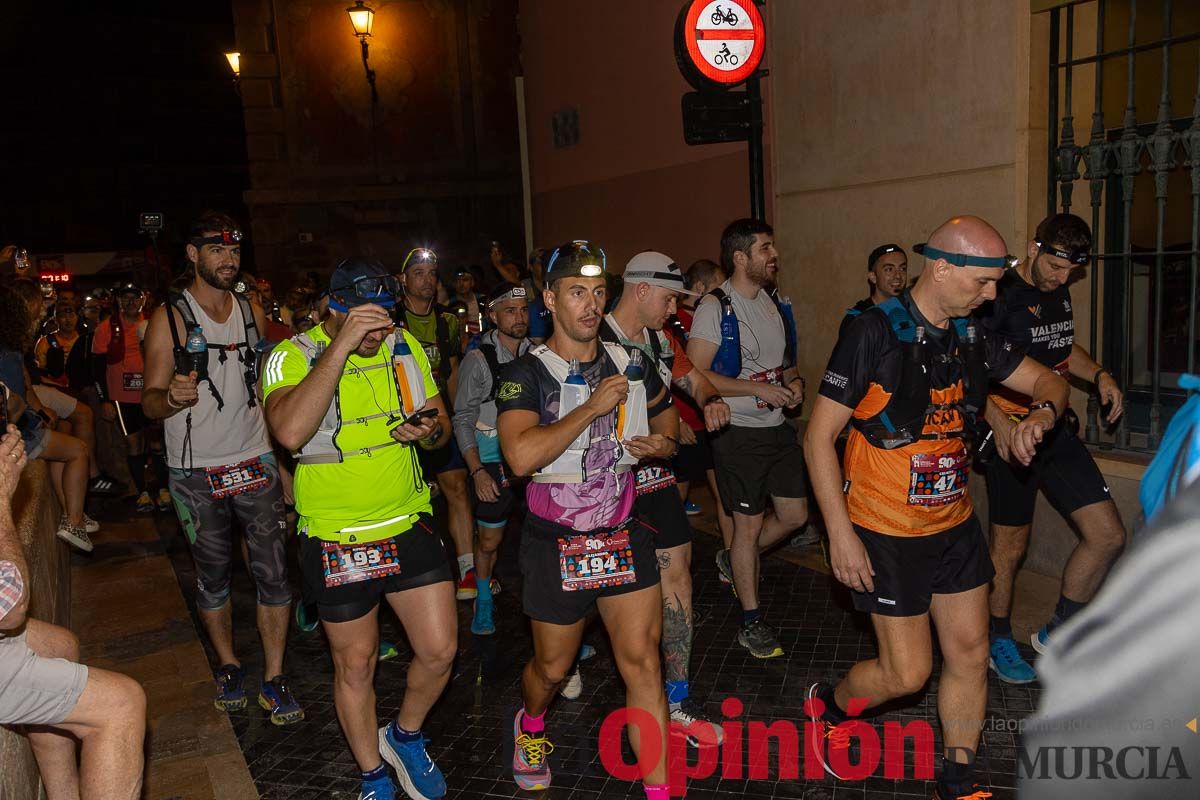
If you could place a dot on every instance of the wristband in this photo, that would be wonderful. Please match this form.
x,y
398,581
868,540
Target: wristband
x,y
477,469
1099,372
1045,404
713,398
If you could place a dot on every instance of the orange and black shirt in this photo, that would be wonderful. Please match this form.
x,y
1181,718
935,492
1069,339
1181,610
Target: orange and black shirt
x,y
1035,323
919,489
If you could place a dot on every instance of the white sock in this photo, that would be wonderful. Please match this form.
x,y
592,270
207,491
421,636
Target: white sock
x,y
466,563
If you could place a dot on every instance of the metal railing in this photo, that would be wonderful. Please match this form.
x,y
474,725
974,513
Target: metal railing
x,y
1137,276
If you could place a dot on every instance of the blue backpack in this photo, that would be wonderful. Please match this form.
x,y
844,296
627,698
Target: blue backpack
x,y
1177,464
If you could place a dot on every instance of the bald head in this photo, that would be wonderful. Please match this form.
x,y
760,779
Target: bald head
x,y
970,235
945,290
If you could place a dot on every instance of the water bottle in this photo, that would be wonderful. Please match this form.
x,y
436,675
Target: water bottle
x,y
635,370
728,360
405,365
197,350
575,392
631,416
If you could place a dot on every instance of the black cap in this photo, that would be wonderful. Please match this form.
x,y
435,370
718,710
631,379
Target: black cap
x,y
342,289
128,288
881,251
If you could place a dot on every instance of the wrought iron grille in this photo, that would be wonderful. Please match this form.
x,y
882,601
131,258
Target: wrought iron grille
x,y
1145,216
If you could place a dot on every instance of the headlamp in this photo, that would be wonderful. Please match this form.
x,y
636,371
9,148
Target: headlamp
x,y
966,259
1076,257
515,293
419,255
227,237
576,258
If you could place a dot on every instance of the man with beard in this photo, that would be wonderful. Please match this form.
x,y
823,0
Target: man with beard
x,y
887,273
757,457
475,430
1032,312
221,461
439,333
353,397
578,415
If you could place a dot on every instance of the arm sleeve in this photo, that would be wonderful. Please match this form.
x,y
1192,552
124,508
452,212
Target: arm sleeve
x,y
473,385
854,360
519,388
706,324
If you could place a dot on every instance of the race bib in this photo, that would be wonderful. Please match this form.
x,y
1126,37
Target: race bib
x,y
654,476
596,561
237,478
360,562
772,376
938,479
132,381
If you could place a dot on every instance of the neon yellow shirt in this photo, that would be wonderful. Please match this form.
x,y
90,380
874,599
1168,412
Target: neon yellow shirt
x,y
377,494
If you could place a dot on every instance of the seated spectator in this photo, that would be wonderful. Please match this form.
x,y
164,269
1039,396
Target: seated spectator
x,y
43,685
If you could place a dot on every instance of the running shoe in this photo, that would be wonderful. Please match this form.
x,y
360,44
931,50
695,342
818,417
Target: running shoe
x,y
74,535
164,501
691,508
104,485
466,587
838,736
306,616
1005,660
276,697
90,525
417,773
978,794
725,570
482,623
387,650
381,789
231,688
1041,639
144,504
760,640
687,721
806,537
572,687
531,762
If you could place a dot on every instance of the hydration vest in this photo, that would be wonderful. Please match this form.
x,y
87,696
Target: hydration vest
x,y
728,359
441,336
664,364
245,349
56,357
569,467
323,447
902,421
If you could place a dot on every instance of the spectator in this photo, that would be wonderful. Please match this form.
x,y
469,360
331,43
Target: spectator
x,y
45,687
540,321
503,267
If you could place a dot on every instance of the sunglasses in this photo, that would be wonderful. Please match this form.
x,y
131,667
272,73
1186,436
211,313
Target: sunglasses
x,y
370,287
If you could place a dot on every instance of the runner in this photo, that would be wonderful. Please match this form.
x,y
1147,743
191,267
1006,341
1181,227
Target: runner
x,y
221,464
1032,311
475,430
577,416
347,397
910,376
887,274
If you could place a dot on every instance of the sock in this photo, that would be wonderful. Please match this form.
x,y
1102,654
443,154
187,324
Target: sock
x,y
377,774
159,465
137,469
677,692
1065,609
659,792
402,736
833,713
532,724
750,616
956,778
484,588
1000,628
466,563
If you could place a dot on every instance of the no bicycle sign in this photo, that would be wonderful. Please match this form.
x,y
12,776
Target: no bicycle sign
x,y
721,42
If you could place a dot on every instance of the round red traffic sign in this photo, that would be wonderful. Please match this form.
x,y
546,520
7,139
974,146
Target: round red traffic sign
x,y
724,40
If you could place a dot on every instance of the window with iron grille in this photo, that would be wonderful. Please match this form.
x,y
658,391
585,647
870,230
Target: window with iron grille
x,y
1137,171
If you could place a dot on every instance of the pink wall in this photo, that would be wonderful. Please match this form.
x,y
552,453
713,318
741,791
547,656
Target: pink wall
x,y
631,183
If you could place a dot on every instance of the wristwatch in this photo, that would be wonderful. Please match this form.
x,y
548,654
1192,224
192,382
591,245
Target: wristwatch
x,y
1045,404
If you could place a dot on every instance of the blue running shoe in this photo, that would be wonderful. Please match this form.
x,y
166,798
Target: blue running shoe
x,y
418,775
387,650
1040,640
482,623
276,697
691,508
381,789
306,617
1005,660
586,651
231,688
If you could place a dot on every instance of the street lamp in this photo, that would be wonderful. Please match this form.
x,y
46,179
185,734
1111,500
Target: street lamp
x,y
235,64
362,17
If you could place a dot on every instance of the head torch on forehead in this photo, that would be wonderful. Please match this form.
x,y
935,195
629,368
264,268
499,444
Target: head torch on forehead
x,y
579,257
966,259
421,255
371,287
515,293
1075,257
226,237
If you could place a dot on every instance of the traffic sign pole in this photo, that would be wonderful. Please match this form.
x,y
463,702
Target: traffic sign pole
x,y
758,208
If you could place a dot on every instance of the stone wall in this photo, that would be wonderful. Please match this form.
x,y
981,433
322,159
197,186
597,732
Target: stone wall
x,y
36,513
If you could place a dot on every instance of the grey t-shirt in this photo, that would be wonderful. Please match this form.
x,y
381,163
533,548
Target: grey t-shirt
x,y
761,330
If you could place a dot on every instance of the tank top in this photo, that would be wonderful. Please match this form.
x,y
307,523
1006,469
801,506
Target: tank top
x,y
238,432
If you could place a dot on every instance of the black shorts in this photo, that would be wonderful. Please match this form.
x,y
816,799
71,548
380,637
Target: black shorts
x,y
494,514
909,570
756,463
661,510
1063,469
543,596
443,459
130,418
693,461
422,560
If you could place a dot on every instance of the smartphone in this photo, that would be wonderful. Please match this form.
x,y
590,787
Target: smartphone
x,y
418,416
3,408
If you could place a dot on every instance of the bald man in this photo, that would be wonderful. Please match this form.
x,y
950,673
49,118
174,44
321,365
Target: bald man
x,y
903,534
